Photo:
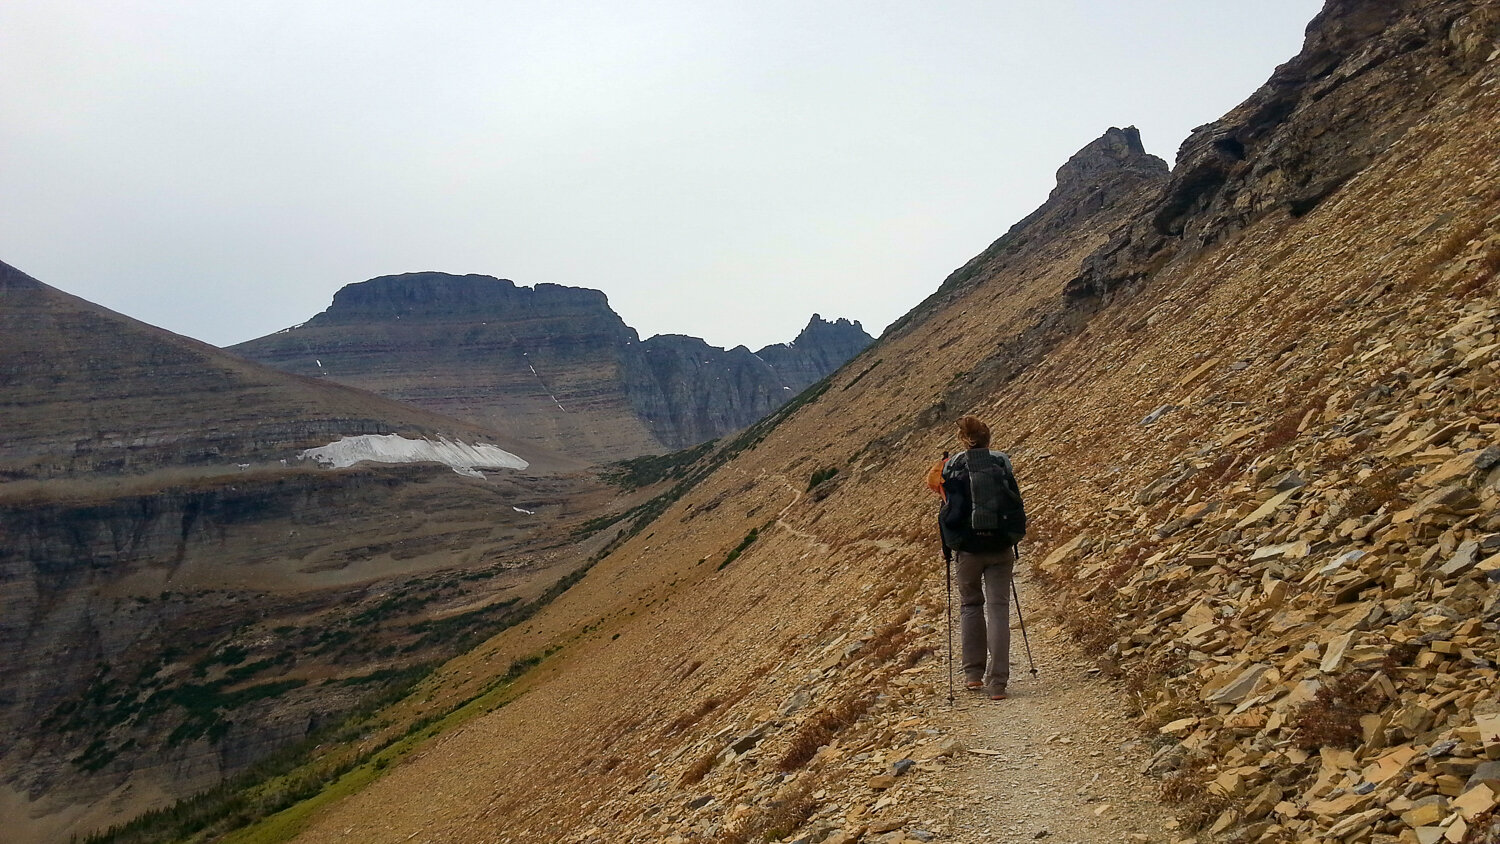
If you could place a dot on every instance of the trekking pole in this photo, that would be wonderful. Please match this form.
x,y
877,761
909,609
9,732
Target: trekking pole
x,y
1016,550
948,600
948,576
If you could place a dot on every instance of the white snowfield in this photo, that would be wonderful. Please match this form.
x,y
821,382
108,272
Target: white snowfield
x,y
463,458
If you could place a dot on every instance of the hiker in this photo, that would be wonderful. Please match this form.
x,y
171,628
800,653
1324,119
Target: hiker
x,y
982,519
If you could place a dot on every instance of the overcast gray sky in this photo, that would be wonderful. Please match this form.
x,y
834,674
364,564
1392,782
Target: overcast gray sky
x,y
718,169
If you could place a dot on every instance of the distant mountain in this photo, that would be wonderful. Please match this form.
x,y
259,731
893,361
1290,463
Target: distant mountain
x,y
84,390
550,365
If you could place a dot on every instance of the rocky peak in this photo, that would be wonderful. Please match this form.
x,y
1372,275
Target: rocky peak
x,y
687,391
1319,121
841,338
1099,188
819,349
1116,151
819,330
1109,169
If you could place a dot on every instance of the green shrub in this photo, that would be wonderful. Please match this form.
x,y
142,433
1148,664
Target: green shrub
x,y
820,476
739,549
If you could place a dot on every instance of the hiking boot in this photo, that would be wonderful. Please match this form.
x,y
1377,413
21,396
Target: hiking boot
x,y
999,695
974,684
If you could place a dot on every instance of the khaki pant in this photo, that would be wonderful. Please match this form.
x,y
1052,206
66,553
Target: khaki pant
x,y
984,616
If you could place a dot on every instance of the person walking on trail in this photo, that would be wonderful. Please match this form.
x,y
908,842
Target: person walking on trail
x,y
982,519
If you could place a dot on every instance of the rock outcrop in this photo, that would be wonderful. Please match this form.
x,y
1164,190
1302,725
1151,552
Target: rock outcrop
x,y
688,392
551,365
1099,189
1322,118
540,363
819,349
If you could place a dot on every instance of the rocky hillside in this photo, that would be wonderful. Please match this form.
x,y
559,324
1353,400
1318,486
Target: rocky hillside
x,y
1252,406
552,365
182,599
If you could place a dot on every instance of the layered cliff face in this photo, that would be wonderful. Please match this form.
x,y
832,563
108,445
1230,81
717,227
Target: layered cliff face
x,y
155,642
551,365
688,392
819,349
540,363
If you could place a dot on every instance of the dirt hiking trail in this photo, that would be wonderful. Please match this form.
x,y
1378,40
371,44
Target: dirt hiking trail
x,y
1056,762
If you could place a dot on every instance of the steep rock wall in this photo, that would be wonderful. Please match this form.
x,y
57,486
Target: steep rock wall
x,y
538,363
1364,77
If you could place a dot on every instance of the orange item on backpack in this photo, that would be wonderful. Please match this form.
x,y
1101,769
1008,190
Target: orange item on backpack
x,y
935,478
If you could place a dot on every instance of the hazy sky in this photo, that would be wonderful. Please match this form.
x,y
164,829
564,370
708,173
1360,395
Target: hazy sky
x,y
718,169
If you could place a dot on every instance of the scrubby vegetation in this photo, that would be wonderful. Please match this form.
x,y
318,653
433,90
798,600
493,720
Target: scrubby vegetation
x,y
309,768
821,475
736,551
654,468
778,819
820,729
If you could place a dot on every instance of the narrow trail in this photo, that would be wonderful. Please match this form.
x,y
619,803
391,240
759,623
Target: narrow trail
x,y
1058,761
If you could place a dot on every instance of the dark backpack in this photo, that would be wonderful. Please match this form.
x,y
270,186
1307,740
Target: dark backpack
x,y
982,511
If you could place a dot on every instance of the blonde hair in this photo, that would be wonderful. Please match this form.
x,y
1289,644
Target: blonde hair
x,y
973,433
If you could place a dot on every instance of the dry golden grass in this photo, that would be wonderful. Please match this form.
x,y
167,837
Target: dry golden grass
x,y
1145,676
1188,791
1484,829
699,769
1331,718
688,719
1382,489
916,655
887,641
820,729
1090,623
777,820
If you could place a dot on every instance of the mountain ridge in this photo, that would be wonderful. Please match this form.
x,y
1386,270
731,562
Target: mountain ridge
x,y
72,401
552,363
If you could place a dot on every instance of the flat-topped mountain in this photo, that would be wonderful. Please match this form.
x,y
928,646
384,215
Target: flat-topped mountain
x,y
547,364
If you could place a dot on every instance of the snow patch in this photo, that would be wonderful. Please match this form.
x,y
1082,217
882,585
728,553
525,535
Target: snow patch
x,y
462,457
524,510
